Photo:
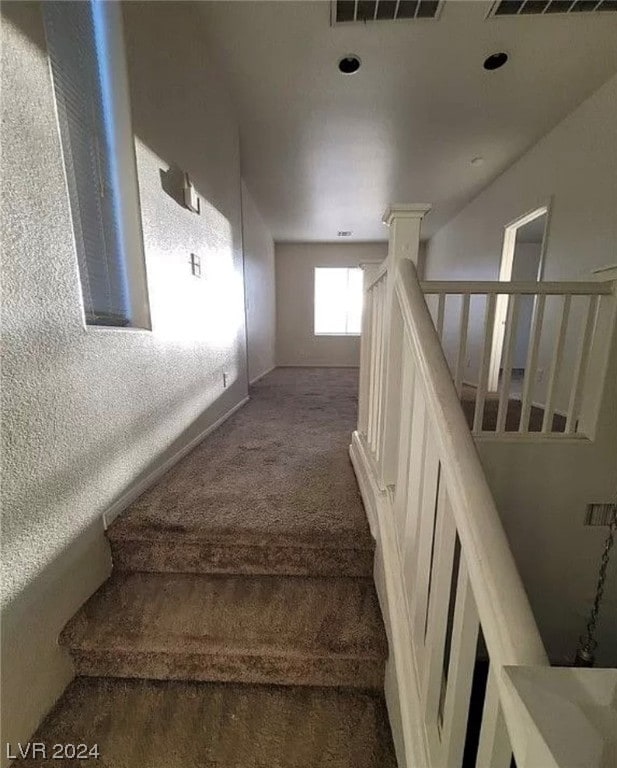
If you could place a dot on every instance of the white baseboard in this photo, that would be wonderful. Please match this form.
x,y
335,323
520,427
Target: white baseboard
x,y
135,491
363,477
316,365
401,682
261,375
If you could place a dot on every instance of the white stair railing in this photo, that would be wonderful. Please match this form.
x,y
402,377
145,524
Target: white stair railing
x,y
448,584
549,334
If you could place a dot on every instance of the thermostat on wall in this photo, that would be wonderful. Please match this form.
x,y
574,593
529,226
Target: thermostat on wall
x,y
191,198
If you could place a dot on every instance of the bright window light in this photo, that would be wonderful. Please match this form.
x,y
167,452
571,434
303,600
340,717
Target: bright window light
x,y
338,301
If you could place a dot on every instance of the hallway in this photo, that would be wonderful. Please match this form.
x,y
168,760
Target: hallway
x,y
240,626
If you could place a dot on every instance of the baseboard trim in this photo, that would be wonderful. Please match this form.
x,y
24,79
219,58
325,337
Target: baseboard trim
x,y
135,491
401,686
315,365
363,476
261,375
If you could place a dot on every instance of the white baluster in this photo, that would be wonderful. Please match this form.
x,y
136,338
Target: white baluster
x,y
489,325
510,340
462,343
580,368
549,409
532,362
460,673
494,750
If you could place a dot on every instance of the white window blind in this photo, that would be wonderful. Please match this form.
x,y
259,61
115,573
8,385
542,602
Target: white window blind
x,y
77,44
338,301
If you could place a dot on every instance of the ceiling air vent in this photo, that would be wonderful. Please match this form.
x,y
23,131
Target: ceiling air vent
x,y
349,11
549,7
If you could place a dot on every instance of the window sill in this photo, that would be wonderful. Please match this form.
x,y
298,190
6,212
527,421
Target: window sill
x,y
356,335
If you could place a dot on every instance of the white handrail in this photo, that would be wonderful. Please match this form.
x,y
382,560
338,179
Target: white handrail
x,y
444,569
510,630
570,288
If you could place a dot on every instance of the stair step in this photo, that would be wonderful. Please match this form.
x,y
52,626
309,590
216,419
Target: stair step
x,y
162,555
141,724
257,629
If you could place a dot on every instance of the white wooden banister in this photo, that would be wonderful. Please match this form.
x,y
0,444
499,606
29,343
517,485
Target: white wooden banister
x,y
446,577
496,287
543,389
510,630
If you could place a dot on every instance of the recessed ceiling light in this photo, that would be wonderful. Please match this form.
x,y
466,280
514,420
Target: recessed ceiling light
x,y
349,64
495,60
344,233
477,160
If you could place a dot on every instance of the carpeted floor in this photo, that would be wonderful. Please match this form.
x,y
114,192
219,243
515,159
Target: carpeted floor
x,y
513,413
240,628
272,490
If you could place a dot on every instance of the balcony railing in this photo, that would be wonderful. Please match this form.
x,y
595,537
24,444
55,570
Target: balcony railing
x,y
452,597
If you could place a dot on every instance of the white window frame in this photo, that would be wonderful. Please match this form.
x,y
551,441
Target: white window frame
x,y
114,92
346,333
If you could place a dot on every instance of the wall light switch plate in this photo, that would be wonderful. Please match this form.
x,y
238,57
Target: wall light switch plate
x,y
195,265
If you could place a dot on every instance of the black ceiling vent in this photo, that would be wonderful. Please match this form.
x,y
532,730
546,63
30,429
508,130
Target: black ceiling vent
x,y
350,11
549,7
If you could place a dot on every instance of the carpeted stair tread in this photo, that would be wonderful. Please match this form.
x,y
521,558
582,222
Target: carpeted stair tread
x,y
257,629
148,724
276,475
160,554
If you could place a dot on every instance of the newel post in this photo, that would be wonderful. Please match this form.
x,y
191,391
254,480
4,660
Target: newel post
x,y
404,222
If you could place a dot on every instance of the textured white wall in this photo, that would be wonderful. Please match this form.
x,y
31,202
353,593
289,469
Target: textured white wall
x,y
260,291
89,412
542,489
576,164
296,343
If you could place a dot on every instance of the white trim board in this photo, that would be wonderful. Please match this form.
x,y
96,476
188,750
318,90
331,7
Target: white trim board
x,y
401,686
261,375
135,491
316,365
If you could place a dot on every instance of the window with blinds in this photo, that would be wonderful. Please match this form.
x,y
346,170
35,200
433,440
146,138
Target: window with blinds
x,y
79,50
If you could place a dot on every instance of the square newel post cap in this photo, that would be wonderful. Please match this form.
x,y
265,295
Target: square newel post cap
x,y
412,211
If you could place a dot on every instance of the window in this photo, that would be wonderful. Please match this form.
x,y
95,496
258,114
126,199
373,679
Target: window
x,y
338,301
86,51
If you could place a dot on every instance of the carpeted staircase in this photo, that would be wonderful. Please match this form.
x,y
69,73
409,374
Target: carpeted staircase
x,y
240,627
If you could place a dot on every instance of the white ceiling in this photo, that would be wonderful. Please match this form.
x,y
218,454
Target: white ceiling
x,y
323,152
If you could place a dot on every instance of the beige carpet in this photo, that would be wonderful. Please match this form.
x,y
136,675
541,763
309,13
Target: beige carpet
x,y
256,629
271,491
240,628
210,725
513,413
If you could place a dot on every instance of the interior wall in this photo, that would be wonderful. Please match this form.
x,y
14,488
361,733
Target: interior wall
x,y
542,489
575,166
260,289
296,343
574,170
89,412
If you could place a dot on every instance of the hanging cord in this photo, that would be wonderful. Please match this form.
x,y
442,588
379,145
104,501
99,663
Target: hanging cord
x,y
585,654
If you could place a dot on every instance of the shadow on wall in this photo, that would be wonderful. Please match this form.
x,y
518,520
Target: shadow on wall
x,y
93,466
107,431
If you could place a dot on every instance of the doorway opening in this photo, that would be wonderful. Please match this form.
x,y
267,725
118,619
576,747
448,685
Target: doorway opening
x,y
522,260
